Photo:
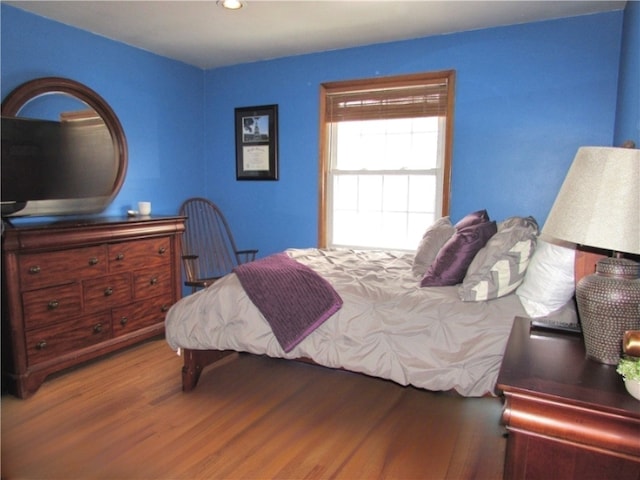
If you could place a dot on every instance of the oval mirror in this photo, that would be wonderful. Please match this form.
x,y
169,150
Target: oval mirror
x,y
63,150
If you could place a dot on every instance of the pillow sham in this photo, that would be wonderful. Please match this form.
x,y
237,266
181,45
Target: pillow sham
x,y
550,279
453,259
500,266
473,218
432,241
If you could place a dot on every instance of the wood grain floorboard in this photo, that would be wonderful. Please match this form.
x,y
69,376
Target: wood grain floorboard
x,y
125,417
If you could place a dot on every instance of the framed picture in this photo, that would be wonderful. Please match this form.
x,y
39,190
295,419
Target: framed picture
x,y
257,143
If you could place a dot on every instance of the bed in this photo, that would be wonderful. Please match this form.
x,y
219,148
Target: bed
x,y
389,324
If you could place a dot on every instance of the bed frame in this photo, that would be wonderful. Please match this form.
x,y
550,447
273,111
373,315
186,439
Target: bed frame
x,y
195,361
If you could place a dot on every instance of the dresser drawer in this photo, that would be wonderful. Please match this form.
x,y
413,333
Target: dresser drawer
x,y
50,305
140,253
39,270
151,282
106,292
140,314
64,337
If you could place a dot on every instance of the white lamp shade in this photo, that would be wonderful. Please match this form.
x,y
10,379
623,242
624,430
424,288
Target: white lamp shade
x,y
599,202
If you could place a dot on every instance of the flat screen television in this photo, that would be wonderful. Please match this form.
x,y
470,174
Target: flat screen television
x,y
56,167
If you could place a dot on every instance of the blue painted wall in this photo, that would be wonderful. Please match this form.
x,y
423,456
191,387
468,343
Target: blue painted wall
x,y
628,111
527,97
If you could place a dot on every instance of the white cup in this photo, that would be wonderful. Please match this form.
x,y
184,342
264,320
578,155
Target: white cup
x,y
144,208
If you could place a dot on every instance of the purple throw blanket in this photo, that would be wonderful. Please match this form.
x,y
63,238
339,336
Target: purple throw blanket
x,y
293,298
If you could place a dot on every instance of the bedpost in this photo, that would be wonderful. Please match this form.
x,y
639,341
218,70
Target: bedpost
x,y
195,361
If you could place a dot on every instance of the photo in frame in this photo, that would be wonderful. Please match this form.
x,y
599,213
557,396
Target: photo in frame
x,y
257,143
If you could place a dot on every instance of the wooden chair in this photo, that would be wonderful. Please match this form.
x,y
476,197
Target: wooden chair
x,y
208,249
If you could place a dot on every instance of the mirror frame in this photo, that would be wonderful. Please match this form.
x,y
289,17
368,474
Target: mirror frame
x,y
32,89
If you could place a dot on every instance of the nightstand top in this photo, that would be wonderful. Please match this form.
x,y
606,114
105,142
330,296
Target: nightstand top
x,y
553,365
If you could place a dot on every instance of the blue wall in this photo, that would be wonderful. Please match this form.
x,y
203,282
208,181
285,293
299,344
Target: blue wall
x,y
628,111
527,97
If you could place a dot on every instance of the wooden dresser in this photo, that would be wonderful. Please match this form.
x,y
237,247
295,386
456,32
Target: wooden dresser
x,y
568,417
76,289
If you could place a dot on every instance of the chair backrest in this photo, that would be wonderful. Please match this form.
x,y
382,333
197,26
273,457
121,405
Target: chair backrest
x,y
207,235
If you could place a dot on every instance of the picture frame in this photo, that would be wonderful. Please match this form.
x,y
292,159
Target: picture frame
x,y
257,142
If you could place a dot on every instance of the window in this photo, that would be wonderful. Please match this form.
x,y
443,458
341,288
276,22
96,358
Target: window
x,y
385,159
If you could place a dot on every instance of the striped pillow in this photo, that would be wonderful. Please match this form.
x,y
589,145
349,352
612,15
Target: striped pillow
x,y
499,268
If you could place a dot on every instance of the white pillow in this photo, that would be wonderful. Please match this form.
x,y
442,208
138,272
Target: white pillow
x,y
550,279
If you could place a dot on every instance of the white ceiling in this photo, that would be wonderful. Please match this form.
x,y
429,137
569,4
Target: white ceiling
x,y
204,34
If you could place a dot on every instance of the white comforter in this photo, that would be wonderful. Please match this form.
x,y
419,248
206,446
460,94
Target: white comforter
x,y
388,327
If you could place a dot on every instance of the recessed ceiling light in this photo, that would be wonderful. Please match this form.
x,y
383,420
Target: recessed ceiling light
x,y
231,4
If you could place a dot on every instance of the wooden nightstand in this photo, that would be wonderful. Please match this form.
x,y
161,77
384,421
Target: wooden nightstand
x,y
566,416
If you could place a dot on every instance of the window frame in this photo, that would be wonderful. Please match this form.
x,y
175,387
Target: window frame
x,y
380,83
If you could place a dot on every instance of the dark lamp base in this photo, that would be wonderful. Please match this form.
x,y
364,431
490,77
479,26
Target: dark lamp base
x,y
608,305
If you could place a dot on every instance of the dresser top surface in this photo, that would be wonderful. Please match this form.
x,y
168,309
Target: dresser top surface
x,y
81,221
70,232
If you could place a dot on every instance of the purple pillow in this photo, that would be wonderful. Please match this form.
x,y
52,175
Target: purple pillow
x,y
481,216
454,258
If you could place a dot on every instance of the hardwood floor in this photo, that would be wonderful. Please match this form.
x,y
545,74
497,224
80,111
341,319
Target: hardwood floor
x,y
125,417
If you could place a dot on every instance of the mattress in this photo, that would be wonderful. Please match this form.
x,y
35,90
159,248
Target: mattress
x,y
388,326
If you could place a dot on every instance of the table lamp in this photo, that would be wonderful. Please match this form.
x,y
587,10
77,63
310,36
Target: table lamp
x,y
599,206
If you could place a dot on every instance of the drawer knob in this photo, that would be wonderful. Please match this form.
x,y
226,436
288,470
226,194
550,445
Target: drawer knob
x,y
34,270
53,304
162,250
93,261
120,257
108,292
97,328
124,321
164,308
153,281
42,344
